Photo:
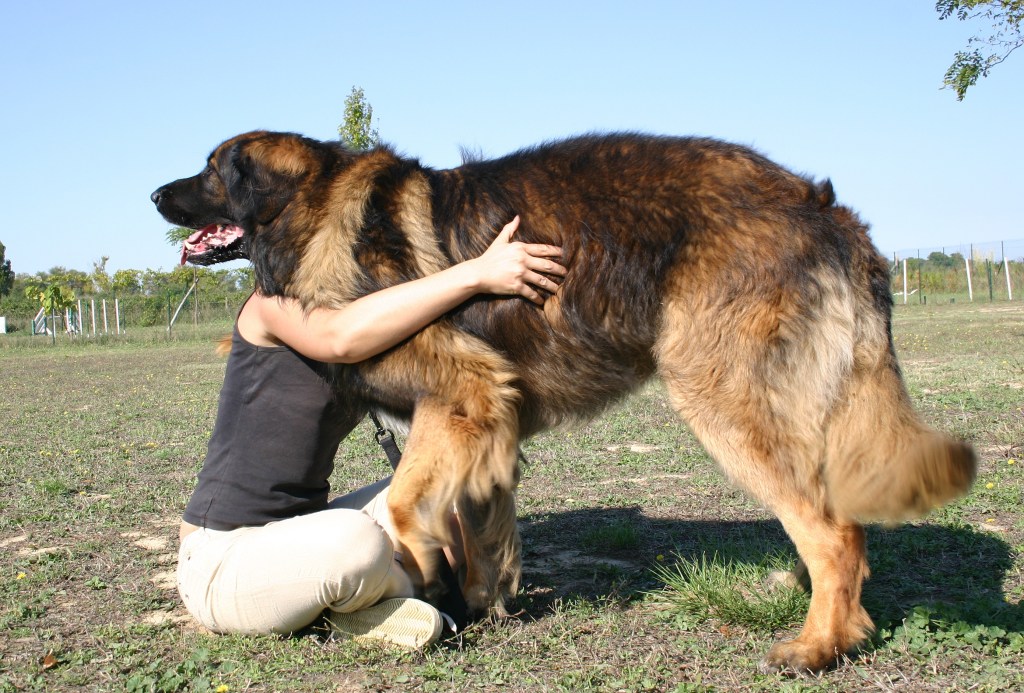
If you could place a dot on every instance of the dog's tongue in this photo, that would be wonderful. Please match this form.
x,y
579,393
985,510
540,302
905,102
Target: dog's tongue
x,y
198,235
211,236
190,243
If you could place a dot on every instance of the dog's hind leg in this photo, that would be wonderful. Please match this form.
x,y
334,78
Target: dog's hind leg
x,y
756,379
831,550
779,473
835,556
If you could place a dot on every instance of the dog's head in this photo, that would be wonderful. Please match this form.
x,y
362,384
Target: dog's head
x,y
248,183
278,198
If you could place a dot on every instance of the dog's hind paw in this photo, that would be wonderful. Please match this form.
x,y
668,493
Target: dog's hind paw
x,y
793,657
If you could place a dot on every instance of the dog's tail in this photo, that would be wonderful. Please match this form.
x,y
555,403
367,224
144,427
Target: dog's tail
x,y
223,347
899,475
882,462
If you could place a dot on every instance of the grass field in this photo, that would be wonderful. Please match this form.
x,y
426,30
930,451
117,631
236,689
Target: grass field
x,y
643,569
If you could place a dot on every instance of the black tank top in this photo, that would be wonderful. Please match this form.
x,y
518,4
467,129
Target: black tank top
x,y
278,427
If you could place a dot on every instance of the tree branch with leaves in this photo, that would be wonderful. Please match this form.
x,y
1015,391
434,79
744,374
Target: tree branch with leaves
x,y
986,49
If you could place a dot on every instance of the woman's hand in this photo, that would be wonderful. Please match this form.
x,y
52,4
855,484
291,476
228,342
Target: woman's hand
x,y
509,267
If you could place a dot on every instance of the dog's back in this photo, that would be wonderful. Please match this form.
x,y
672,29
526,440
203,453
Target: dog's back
x,y
760,301
639,218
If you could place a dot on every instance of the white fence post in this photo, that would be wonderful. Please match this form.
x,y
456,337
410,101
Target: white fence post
x,y
970,289
904,281
1009,289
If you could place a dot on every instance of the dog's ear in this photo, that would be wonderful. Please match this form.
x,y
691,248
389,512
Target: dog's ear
x,y
262,175
278,155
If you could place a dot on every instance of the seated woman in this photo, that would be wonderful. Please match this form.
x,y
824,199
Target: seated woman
x,y
262,549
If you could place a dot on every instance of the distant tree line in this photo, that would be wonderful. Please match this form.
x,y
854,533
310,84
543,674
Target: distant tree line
x,y
143,295
6,273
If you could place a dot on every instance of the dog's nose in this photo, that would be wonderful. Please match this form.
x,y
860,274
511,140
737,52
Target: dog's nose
x,y
157,194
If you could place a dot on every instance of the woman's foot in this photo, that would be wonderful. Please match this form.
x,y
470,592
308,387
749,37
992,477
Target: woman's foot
x,y
402,621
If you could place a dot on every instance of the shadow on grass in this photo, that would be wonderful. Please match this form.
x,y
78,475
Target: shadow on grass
x,y
955,573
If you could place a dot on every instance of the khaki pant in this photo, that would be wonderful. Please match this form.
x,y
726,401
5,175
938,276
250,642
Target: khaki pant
x,y
280,577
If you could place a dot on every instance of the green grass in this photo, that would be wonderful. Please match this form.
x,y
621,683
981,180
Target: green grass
x,y
731,592
614,536
100,441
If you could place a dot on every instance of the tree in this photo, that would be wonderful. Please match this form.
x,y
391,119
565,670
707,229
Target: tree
x,y
941,260
126,281
100,278
357,131
985,52
53,297
6,273
75,280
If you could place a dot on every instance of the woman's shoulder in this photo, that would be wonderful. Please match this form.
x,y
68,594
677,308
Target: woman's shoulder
x,y
256,320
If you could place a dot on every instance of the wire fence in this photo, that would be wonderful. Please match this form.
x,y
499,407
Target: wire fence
x,y
991,271
94,316
969,272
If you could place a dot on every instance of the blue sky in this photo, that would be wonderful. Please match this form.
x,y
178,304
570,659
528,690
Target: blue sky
x,y
104,101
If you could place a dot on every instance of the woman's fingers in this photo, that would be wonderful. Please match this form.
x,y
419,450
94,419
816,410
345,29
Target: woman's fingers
x,y
540,281
531,295
531,270
505,235
542,250
546,266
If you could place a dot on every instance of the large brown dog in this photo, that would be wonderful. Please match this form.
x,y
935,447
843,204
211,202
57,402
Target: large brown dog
x,y
761,303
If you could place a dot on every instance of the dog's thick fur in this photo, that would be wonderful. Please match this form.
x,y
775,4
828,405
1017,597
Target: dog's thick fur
x,y
761,303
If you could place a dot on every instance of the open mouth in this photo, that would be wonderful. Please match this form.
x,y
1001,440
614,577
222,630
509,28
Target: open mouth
x,y
214,244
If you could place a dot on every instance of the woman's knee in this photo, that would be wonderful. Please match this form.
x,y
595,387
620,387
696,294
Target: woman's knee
x,y
360,564
354,539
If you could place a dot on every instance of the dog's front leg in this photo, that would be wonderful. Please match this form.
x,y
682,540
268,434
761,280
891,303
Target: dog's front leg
x,y
490,539
451,457
421,498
